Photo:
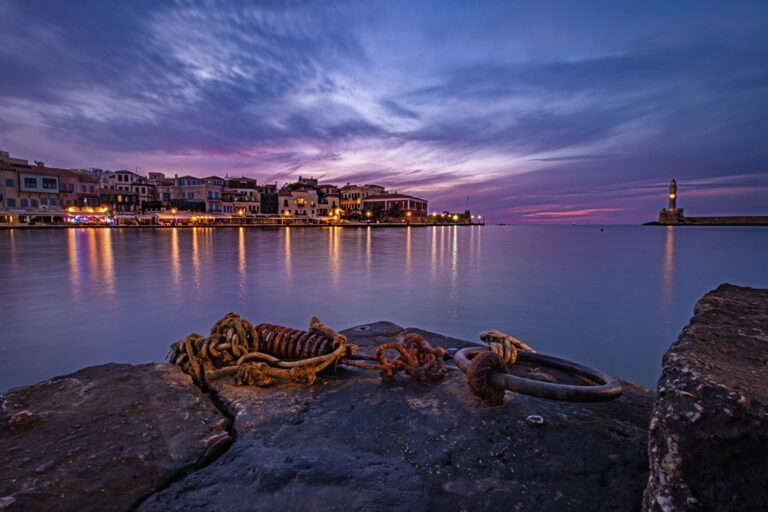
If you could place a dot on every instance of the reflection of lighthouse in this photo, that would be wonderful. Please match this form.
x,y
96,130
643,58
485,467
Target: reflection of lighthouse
x,y
673,215
672,195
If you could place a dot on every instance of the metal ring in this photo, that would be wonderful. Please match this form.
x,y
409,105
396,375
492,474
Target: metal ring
x,y
608,389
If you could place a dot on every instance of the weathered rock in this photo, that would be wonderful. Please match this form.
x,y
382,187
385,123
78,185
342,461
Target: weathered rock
x,y
102,438
708,440
355,442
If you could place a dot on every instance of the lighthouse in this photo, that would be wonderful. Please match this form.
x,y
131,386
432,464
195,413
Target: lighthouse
x,y
672,195
672,215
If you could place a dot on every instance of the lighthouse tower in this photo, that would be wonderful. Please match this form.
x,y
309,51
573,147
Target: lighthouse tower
x,y
672,195
673,214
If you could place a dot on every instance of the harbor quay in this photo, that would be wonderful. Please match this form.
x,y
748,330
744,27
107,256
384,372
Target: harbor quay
x,y
33,194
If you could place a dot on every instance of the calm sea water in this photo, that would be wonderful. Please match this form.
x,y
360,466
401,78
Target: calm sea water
x,y
613,299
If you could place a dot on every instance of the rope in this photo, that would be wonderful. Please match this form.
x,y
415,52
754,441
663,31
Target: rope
x,y
504,345
479,373
262,355
502,353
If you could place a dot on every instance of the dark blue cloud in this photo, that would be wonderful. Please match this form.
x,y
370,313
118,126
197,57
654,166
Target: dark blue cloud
x,y
519,105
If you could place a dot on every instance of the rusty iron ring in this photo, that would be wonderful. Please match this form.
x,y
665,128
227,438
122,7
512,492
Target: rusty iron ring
x,y
608,389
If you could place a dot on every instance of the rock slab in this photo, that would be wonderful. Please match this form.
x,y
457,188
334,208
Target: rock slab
x,y
708,438
354,442
103,438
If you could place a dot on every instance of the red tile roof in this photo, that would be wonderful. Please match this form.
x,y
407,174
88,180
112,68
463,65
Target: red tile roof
x,y
394,196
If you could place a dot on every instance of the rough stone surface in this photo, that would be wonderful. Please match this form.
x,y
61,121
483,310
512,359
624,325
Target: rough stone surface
x,y
102,438
355,442
708,439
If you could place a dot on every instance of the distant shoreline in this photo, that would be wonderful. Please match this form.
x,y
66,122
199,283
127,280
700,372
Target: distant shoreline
x,y
233,226
707,223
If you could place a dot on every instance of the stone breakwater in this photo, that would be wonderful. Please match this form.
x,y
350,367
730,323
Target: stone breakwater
x,y
123,437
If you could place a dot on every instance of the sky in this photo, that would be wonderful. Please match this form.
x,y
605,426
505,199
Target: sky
x,y
530,111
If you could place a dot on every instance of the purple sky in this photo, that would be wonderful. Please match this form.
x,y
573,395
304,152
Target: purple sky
x,y
540,112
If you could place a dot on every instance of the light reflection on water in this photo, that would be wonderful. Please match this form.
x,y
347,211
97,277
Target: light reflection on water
x,y
614,299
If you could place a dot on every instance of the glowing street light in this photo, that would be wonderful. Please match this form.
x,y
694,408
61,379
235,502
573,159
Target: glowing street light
x,y
173,210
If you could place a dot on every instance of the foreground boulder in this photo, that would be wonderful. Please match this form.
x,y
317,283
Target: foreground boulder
x,y
708,441
103,438
354,442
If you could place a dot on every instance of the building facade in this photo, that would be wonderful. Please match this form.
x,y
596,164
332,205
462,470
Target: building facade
x,y
352,196
298,203
406,205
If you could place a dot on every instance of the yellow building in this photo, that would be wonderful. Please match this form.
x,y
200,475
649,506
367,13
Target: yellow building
x,y
352,195
298,203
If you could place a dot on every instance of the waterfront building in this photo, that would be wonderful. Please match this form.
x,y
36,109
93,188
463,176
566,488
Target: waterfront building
x,y
352,196
268,199
301,202
28,191
79,188
406,205
192,193
328,204
121,202
244,194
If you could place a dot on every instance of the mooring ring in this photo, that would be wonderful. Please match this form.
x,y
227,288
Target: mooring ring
x,y
607,389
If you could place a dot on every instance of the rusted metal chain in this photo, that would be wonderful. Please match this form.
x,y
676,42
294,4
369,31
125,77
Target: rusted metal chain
x,y
261,355
415,357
